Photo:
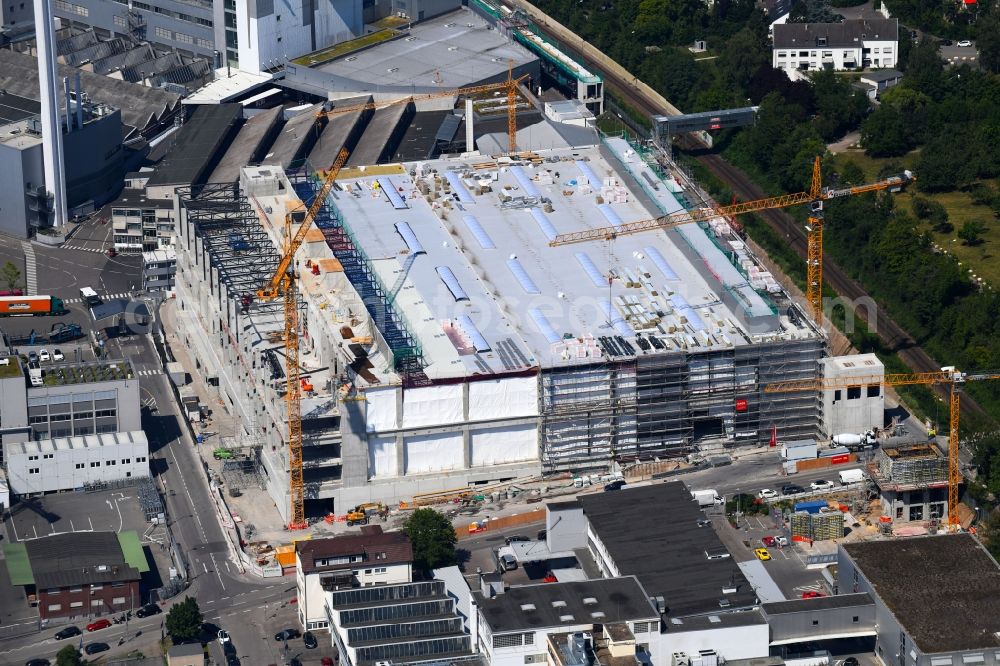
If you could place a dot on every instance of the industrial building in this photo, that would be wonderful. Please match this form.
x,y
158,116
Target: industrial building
x,y
471,349
453,50
937,598
73,400
92,136
79,574
70,463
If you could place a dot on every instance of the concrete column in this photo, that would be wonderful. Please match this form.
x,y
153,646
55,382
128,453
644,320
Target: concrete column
x,y
470,140
52,144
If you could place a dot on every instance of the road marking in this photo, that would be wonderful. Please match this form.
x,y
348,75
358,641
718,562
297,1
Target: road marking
x,y
98,250
30,273
206,567
215,566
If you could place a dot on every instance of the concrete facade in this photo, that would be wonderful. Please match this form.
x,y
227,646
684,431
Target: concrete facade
x,y
853,409
68,463
159,270
142,224
23,172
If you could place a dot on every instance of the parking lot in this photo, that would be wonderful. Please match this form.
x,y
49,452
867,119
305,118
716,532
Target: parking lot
x,y
116,510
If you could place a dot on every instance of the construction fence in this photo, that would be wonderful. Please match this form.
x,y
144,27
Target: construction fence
x,y
494,524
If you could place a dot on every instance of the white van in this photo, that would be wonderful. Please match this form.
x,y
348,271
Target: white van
x,y
90,296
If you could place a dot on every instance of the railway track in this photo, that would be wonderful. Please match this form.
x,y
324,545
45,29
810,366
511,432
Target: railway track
x,y
893,336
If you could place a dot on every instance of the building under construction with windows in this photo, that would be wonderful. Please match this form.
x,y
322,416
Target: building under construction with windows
x,y
448,340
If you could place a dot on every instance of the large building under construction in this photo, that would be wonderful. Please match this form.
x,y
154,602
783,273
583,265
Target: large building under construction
x,y
447,342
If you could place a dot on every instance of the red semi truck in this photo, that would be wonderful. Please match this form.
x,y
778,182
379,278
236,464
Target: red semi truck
x,y
11,306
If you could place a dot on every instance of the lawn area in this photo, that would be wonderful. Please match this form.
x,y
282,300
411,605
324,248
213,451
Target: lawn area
x,y
961,209
351,45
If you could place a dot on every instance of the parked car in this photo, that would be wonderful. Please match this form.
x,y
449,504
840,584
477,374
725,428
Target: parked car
x,y
821,484
327,661
112,252
309,640
223,636
762,554
38,662
768,541
812,594
32,357
781,540
57,355
767,493
44,355
67,632
964,43
851,661
614,485
95,648
148,610
516,538
792,489
97,625
286,635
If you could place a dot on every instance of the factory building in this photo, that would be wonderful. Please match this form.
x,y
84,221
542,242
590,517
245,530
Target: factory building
x,y
937,598
445,342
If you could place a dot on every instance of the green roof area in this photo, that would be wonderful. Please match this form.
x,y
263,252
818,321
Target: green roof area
x,y
343,48
132,550
18,566
12,369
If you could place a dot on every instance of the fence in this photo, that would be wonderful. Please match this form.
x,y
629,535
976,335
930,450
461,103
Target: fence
x,y
494,524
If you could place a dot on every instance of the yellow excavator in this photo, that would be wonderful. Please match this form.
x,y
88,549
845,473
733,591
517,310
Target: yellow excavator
x,y
362,513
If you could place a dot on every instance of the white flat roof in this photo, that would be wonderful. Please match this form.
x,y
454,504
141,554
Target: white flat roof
x,y
445,52
468,270
79,442
229,83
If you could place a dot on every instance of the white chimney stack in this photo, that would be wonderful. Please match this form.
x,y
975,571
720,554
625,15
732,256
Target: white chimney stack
x,y
52,144
470,140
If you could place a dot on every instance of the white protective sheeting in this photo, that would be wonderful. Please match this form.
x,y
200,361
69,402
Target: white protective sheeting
x,y
383,460
380,410
432,406
495,446
503,398
434,453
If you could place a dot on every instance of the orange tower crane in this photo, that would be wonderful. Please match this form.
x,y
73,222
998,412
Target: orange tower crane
x,y
283,282
509,86
949,376
815,197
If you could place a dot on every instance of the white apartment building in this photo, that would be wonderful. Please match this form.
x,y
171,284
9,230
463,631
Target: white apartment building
x,y
159,270
141,223
371,557
855,44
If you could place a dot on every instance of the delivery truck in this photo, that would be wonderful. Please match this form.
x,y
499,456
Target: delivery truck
x,y
849,476
706,497
12,306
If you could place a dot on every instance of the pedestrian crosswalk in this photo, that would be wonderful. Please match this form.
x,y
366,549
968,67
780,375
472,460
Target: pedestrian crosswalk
x,y
98,250
148,372
149,403
30,272
107,297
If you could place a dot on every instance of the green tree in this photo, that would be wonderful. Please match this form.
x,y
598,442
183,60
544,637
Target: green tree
x,y
69,655
972,232
851,173
184,620
433,538
884,134
741,57
10,274
988,41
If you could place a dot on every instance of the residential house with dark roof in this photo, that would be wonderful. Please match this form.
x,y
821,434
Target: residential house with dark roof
x,y
854,44
370,557
79,574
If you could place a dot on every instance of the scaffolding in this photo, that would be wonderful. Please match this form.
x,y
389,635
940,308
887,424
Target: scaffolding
x,y
910,467
658,405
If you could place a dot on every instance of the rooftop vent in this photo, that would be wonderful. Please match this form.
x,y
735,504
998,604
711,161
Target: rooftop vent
x,y
559,604
566,618
714,619
724,603
527,607
597,615
589,601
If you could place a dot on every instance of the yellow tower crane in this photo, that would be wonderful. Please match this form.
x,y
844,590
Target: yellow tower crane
x,y
509,86
815,197
283,282
949,376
